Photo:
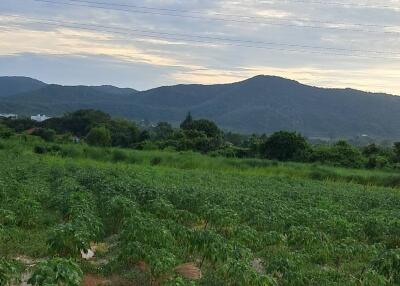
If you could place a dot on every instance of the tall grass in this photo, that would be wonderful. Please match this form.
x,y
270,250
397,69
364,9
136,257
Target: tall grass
x,y
196,161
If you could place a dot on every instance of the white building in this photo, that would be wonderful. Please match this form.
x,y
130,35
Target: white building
x,y
39,117
9,115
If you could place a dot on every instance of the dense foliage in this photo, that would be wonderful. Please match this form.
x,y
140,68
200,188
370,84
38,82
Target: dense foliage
x,y
55,272
97,128
260,104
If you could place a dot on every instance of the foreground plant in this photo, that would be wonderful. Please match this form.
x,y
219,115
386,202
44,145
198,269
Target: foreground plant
x,y
56,272
8,272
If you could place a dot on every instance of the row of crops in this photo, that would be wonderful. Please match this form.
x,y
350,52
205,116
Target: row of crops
x,y
164,226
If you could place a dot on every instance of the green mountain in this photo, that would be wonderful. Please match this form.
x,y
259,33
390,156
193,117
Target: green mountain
x,y
260,104
11,85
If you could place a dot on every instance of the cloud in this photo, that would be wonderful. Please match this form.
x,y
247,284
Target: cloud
x,y
173,57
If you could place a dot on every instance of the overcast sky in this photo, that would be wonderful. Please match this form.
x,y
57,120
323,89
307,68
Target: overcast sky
x,y
145,44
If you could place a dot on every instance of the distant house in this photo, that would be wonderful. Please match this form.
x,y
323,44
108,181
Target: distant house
x,y
39,117
75,139
9,115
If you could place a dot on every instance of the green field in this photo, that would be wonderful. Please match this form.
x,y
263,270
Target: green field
x,y
241,222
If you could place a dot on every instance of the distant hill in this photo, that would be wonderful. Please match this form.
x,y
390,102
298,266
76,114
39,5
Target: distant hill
x,y
11,85
260,104
113,90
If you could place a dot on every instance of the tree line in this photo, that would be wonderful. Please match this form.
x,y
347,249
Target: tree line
x,y
97,128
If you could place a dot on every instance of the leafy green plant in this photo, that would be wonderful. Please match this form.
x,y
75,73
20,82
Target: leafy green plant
x,y
388,264
5,132
7,217
39,149
56,272
9,273
68,240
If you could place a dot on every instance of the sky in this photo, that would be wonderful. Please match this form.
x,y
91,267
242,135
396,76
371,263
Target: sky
x,y
150,43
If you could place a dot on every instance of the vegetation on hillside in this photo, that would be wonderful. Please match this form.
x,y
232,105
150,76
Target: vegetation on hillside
x,y
97,128
259,104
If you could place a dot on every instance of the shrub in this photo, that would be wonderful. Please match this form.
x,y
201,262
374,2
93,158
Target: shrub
x,y
7,217
147,145
8,272
55,149
70,151
340,154
155,161
28,212
99,136
285,146
396,151
388,264
56,271
5,132
46,134
39,149
119,156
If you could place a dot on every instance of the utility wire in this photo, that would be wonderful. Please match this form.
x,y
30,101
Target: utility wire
x,y
233,17
218,13
344,4
215,40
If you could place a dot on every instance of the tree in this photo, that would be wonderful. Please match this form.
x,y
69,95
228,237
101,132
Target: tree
x,y
370,150
188,122
99,136
208,127
254,142
144,136
340,154
396,151
235,138
5,132
201,135
81,121
284,146
123,133
44,133
163,131
20,125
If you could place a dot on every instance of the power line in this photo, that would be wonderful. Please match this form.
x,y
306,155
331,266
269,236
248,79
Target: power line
x,y
214,40
360,5
234,18
224,14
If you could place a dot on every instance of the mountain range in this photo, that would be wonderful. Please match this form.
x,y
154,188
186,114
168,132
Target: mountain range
x,y
261,104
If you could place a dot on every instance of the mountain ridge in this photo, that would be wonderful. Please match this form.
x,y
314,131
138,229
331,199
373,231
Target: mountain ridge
x,y
261,104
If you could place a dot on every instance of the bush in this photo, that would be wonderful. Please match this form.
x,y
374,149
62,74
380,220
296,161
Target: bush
x,y
5,132
55,149
388,264
7,217
56,271
8,272
285,146
147,145
40,149
46,134
119,156
155,161
70,151
340,154
99,136
231,152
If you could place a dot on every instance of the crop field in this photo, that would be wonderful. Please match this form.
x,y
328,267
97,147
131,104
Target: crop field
x,y
160,218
